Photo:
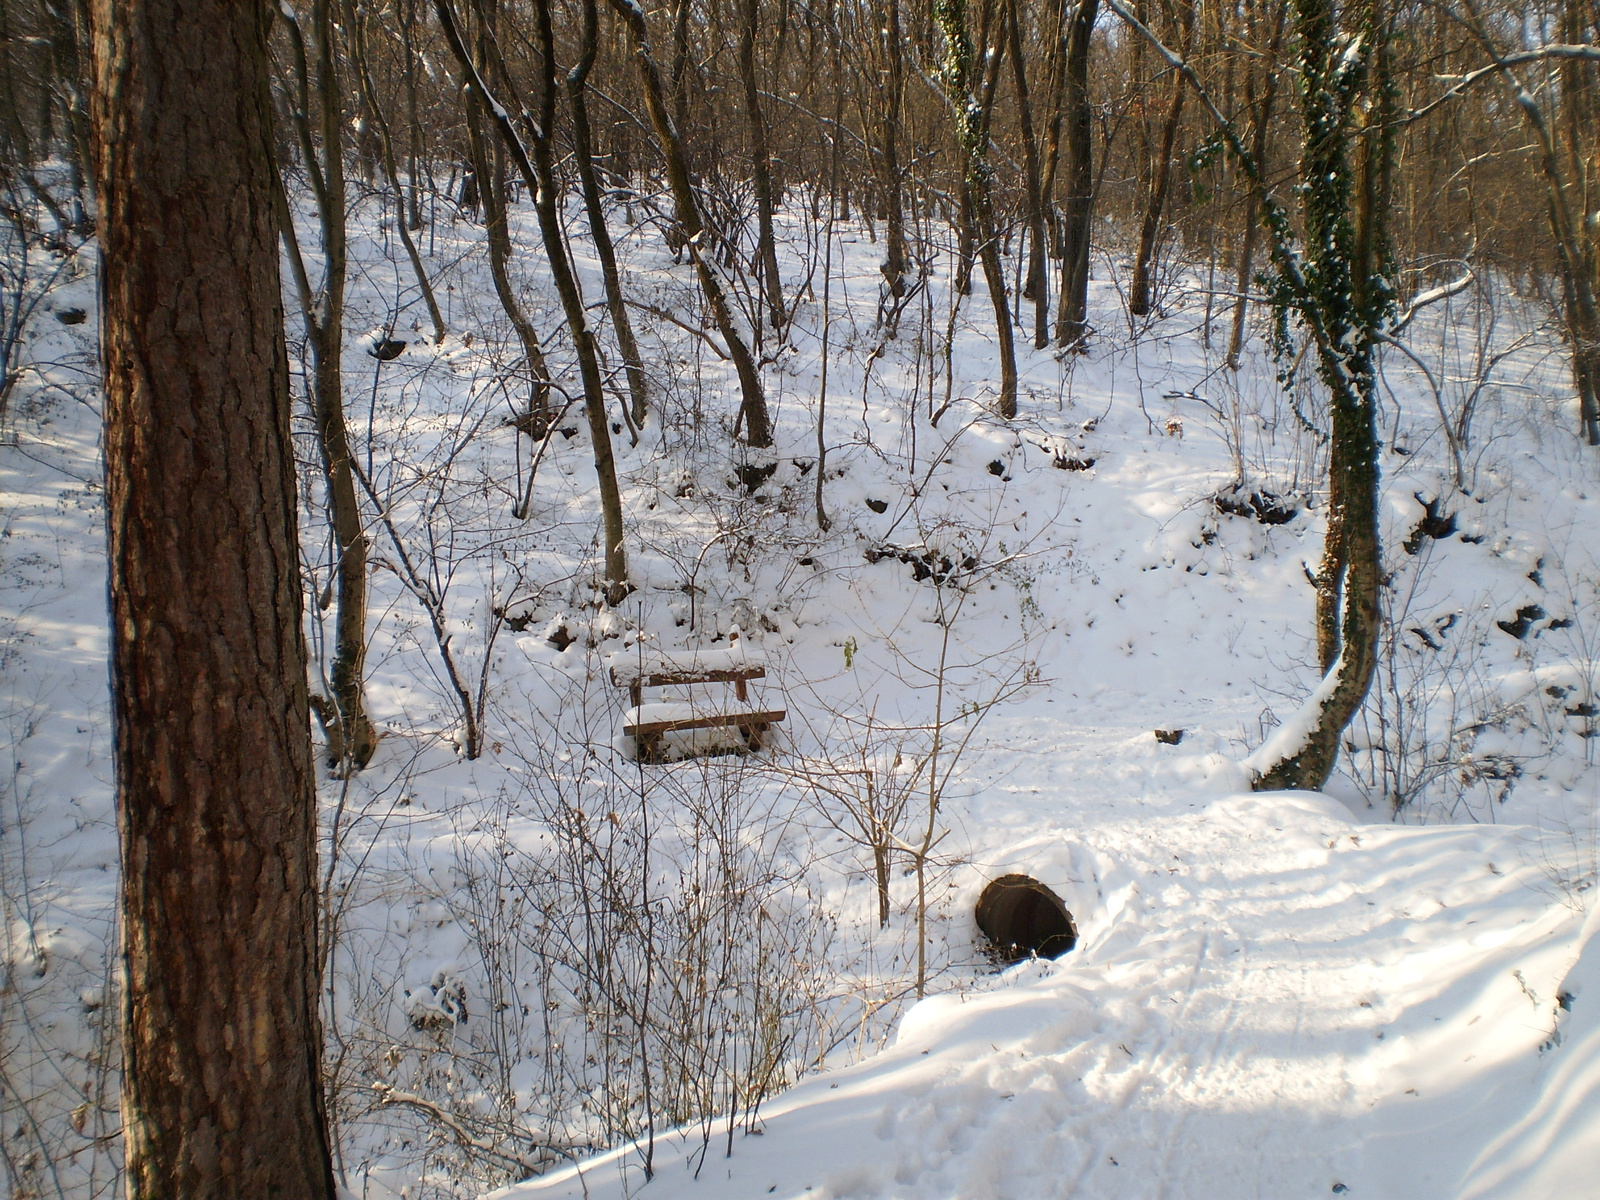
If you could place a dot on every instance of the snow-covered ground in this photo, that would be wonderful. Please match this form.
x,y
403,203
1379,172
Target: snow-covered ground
x,y
1273,995
1269,999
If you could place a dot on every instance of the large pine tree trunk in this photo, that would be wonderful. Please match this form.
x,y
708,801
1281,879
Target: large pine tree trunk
x,y
216,810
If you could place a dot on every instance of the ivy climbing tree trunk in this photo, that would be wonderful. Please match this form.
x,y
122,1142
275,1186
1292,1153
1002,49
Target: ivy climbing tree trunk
x,y
1337,290
1344,297
221,1039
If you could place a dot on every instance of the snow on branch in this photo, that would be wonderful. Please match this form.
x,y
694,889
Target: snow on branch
x,y
1432,296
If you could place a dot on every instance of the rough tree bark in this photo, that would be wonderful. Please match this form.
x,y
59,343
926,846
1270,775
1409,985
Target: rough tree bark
x,y
221,1037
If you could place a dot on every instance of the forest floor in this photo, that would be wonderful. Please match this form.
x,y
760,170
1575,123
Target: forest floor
x,y
1272,995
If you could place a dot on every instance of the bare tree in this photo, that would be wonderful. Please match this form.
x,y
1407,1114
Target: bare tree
x,y
1037,287
538,173
1566,129
1261,110
760,162
1077,217
351,738
1160,179
972,96
885,49
487,167
391,172
583,154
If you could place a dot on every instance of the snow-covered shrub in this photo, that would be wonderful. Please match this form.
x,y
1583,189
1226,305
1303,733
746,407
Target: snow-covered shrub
x,y
638,951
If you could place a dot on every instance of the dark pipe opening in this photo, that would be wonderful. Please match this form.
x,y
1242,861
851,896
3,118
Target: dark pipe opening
x,y
1021,917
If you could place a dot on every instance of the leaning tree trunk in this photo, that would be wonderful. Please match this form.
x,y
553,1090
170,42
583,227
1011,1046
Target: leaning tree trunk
x,y
753,401
538,173
221,1039
583,154
491,189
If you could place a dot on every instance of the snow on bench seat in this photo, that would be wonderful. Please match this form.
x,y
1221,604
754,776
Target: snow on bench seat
x,y
656,668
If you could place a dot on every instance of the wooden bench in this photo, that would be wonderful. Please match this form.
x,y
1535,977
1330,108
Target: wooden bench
x,y
648,724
